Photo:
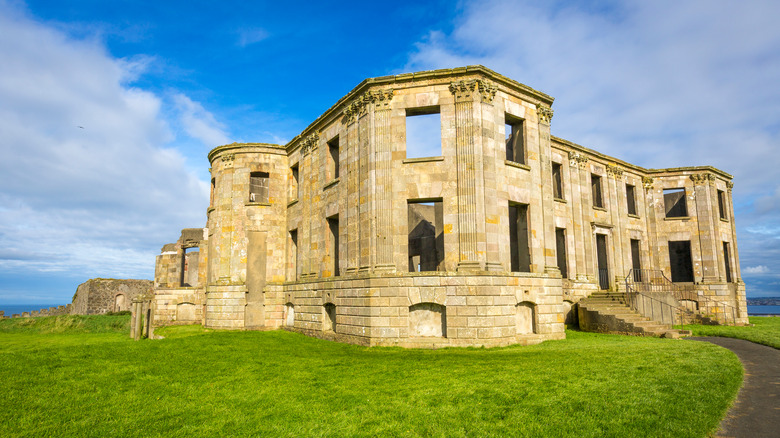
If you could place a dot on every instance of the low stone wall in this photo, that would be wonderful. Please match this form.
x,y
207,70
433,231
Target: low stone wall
x,y
51,311
102,295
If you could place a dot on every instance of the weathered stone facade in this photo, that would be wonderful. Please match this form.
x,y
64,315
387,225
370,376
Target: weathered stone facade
x,y
340,234
102,295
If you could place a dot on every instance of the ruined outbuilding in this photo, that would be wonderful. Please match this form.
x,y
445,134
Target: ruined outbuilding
x,y
98,296
489,237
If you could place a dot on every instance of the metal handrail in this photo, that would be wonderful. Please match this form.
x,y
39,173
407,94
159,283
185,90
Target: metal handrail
x,y
632,301
654,280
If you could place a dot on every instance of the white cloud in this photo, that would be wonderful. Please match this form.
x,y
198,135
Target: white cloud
x,y
760,269
251,36
88,184
199,123
659,84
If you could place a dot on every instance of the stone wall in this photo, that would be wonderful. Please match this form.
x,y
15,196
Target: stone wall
x,y
102,295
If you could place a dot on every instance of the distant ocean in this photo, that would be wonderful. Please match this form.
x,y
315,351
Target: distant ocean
x,y
763,310
11,309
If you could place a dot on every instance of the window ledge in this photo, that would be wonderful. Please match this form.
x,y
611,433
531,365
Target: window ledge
x,y
561,200
517,165
723,219
599,208
257,204
423,159
331,184
293,202
678,218
635,216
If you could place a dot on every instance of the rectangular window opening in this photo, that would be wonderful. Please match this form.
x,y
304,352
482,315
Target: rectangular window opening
x,y
722,204
680,261
515,139
333,247
557,181
631,199
595,184
674,202
333,158
636,261
727,260
426,237
560,245
258,187
293,255
294,182
423,132
519,249
189,267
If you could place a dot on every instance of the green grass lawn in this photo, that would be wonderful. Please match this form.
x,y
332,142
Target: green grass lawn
x,y
765,330
94,381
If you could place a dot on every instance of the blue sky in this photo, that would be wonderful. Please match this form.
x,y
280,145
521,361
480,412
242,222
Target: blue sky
x,y
107,109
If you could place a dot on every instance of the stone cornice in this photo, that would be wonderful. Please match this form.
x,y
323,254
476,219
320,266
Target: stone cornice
x,y
440,76
567,145
238,148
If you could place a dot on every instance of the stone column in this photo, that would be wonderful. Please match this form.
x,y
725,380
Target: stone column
x,y
470,189
584,216
735,253
615,179
487,136
365,213
707,235
715,223
383,181
351,216
544,116
654,252
305,171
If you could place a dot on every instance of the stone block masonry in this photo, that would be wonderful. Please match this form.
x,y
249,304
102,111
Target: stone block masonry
x,y
344,233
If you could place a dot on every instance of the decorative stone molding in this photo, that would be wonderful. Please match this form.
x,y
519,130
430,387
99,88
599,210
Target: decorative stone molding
x,y
729,185
464,90
359,106
647,182
701,178
227,160
545,113
310,143
614,171
577,159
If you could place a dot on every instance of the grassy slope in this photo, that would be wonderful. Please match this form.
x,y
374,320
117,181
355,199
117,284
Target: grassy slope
x,y
765,330
197,383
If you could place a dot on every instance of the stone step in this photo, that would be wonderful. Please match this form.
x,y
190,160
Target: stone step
x,y
612,307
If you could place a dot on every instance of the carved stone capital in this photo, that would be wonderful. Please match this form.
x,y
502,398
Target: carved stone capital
x,y
701,178
545,113
577,159
729,185
647,182
310,143
614,171
227,160
471,89
359,106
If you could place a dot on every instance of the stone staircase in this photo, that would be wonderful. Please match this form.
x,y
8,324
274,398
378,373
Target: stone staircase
x,y
607,312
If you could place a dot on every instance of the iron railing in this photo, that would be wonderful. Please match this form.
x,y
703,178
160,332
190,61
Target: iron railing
x,y
603,278
654,284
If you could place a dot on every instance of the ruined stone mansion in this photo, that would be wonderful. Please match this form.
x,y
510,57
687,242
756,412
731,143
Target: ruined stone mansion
x,y
485,233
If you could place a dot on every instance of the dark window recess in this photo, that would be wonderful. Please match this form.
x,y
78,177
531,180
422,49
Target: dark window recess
x,y
426,237
333,226
258,187
515,140
560,251
557,181
680,261
722,204
674,202
636,261
294,254
631,199
333,158
423,132
213,187
595,185
727,259
329,318
518,238
603,263
294,183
